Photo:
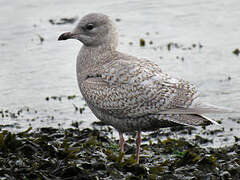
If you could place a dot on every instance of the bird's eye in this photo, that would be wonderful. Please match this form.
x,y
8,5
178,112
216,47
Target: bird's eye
x,y
89,27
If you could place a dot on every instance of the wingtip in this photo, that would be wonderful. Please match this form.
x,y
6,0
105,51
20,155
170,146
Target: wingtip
x,y
211,121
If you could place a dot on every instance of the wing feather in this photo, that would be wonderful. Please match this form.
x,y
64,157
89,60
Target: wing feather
x,y
135,88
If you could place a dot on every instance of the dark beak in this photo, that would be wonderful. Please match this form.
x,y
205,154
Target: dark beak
x,y
65,36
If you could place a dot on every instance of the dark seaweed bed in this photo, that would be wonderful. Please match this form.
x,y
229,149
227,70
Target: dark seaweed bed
x,y
72,153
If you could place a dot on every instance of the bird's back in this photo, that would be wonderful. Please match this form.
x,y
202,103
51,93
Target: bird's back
x,y
128,92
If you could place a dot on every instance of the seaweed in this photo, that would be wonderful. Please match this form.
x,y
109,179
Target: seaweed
x,y
236,51
74,153
63,21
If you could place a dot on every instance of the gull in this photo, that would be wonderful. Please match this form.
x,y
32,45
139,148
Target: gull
x,y
130,93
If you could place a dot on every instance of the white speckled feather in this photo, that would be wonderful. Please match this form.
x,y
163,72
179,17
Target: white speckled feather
x,y
125,91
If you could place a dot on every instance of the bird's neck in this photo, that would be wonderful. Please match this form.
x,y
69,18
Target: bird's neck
x,y
92,57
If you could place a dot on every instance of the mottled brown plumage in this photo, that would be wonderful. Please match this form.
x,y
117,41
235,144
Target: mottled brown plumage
x,y
128,93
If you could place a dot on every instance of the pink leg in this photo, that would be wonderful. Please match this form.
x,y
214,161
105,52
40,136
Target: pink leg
x,y
121,142
138,142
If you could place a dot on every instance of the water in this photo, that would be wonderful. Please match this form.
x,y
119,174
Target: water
x,y
31,70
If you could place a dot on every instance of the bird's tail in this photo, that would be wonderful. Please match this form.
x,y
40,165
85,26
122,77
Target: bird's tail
x,y
199,108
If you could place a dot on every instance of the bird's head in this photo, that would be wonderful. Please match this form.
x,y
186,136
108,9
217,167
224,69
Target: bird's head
x,y
93,30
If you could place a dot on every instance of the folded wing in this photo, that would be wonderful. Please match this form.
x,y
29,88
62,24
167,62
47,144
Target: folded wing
x,y
136,88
